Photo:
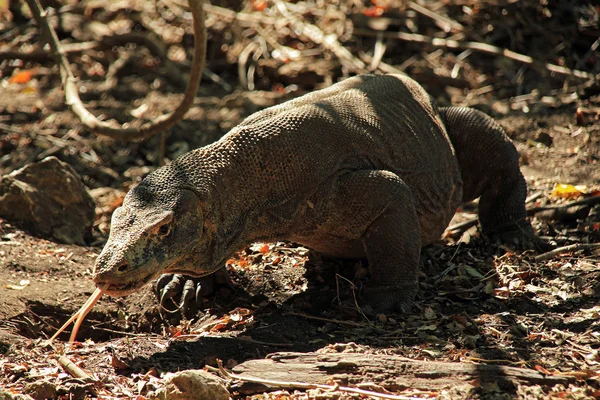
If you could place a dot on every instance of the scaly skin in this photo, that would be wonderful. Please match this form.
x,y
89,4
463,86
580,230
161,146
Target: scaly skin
x,y
364,168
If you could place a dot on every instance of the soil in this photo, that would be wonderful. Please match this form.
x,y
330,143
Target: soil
x,y
478,303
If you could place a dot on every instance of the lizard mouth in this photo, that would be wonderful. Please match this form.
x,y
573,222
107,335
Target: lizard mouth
x,y
190,273
125,289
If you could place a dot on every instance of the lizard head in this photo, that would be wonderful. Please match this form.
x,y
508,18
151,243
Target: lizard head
x,y
156,230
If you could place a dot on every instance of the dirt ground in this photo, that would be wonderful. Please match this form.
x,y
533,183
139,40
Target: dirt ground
x,y
478,303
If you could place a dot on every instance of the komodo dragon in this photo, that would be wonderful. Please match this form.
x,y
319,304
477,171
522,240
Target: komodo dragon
x,y
365,168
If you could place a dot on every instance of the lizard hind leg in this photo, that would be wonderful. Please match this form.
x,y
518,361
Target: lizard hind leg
x,y
380,207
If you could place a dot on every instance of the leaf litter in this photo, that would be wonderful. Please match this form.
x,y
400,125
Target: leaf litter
x,y
477,303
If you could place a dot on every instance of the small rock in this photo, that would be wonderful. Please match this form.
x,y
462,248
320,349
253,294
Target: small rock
x,y
49,199
5,395
545,138
41,390
193,384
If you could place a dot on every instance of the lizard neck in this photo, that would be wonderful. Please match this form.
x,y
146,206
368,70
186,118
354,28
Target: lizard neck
x,y
223,178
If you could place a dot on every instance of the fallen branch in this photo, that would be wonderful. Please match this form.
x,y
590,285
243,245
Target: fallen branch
x,y
482,48
569,212
570,248
392,372
590,201
123,132
304,385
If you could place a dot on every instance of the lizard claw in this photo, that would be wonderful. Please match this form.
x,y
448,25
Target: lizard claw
x,y
176,292
167,287
188,303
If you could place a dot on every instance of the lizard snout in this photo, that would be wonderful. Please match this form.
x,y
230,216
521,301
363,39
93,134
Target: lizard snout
x,y
104,274
110,263
115,280
118,273
122,268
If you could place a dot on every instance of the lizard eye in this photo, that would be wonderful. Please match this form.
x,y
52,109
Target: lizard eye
x,y
164,230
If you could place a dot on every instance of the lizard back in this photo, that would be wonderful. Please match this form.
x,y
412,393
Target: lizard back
x,y
282,158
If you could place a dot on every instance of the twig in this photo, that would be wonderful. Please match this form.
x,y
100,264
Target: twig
x,y
286,52
111,81
454,230
12,129
565,249
241,339
246,76
334,321
462,226
378,53
217,79
590,52
74,370
480,47
271,344
444,22
380,65
533,197
123,132
590,201
156,47
42,55
304,385
147,39
122,333
246,18
329,42
339,277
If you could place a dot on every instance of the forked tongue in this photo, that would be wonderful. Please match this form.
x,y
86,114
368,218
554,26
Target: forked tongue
x,y
81,313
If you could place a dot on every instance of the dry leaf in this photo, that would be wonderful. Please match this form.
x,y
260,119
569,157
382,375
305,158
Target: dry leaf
x,y
567,191
22,76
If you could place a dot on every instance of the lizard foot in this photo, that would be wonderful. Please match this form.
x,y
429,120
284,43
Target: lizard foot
x,y
521,237
177,292
390,298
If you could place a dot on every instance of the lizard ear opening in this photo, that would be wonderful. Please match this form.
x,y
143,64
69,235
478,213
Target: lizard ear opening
x,y
161,224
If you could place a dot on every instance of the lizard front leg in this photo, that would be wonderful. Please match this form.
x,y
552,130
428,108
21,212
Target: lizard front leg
x,y
376,209
179,293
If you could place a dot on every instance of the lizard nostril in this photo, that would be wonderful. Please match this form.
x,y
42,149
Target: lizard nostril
x,y
123,267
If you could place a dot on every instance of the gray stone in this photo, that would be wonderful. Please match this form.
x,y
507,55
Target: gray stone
x,y
49,199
